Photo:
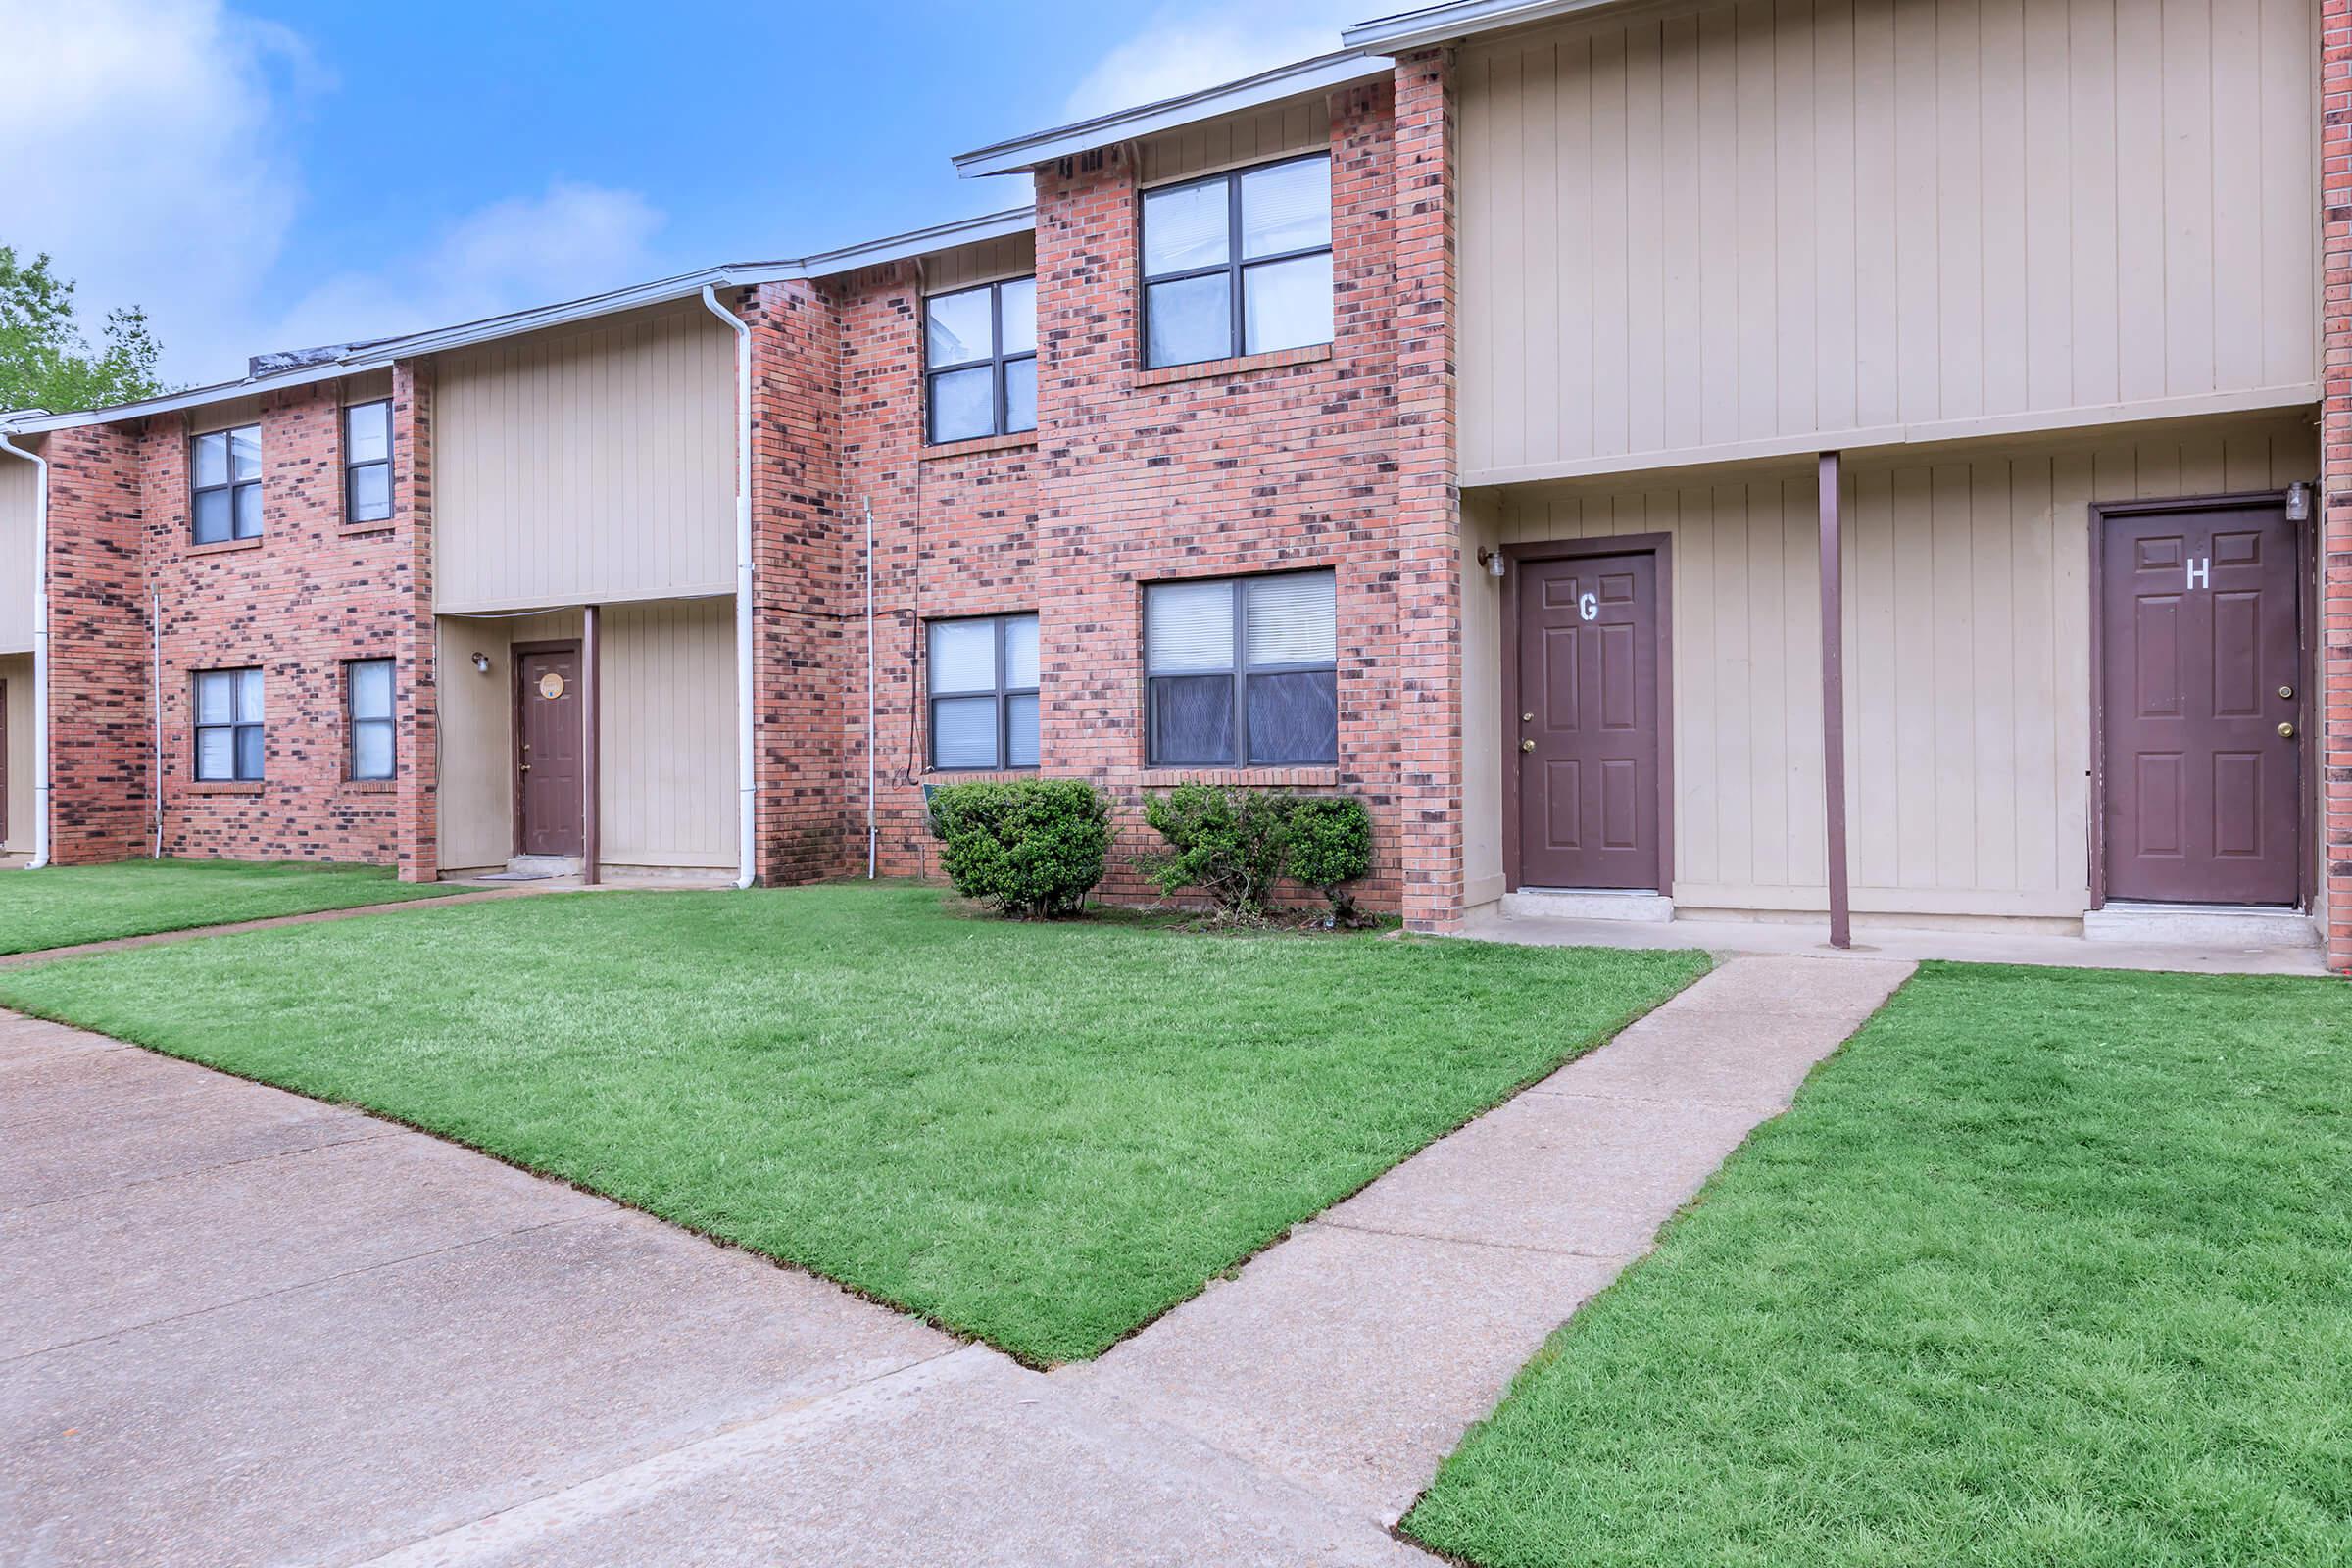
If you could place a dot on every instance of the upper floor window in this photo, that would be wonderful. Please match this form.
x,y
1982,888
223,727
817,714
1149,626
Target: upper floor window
x,y
1238,264
983,688
980,359
227,488
1243,670
368,462
229,724
367,699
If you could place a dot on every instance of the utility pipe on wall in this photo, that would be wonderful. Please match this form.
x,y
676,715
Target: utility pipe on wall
x,y
1833,703
872,742
746,772
154,704
40,650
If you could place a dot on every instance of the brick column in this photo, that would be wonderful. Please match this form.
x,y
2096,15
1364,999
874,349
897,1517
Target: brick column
x,y
2335,473
803,660
101,736
416,833
1428,495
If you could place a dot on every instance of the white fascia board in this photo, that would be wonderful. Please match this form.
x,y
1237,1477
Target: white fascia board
x,y
382,354
1415,29
1319,75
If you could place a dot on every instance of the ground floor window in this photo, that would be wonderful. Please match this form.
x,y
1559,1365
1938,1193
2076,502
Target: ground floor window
x,y
229,724
367,699
983,690
1242,670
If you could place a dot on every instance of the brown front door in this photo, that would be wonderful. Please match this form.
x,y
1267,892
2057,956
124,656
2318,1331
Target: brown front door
x,y
2200,628
1587,726
548,750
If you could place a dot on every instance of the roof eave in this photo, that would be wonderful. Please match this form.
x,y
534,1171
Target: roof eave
x,y
1416,29
1319,75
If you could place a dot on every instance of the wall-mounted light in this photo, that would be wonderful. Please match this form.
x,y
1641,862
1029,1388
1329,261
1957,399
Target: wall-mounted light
x,y
481,663
1492,560
2298,501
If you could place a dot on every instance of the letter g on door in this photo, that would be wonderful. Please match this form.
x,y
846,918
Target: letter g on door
x,y
1588,607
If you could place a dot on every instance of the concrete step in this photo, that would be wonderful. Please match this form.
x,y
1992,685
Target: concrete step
x,y
1589,904
2207,925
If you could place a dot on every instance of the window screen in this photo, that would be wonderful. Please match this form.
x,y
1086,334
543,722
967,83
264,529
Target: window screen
x,y
226,484
980,356
1238,264
368,462
983,692
1242,670
368,693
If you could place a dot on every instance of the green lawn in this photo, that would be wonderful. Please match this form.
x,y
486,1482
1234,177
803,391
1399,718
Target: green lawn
x,y
2045,1267
58,906
1042,1135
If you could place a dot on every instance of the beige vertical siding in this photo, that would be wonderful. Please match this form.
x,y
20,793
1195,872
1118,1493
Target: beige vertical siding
x,y
1748,223
1967,631
669,759
668,754
592,465
1275,132
17,672
1007,256
20,563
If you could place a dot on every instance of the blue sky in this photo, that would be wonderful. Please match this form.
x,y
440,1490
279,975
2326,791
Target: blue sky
x,y
261,173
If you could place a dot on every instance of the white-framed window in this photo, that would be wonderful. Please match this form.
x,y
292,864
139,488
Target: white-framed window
x,y
981,678
1241,670
1237,262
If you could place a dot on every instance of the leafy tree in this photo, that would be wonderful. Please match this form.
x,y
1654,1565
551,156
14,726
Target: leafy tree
x,y
46,360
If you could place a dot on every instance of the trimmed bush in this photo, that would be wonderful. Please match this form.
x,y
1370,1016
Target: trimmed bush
x,y
1331,846
1234,844
1030,848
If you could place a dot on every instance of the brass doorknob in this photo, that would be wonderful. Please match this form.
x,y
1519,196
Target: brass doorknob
x,y
1527,746
2286,731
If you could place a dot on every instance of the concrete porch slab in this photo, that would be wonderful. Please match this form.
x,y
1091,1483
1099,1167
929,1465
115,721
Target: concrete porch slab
x,y
1732,938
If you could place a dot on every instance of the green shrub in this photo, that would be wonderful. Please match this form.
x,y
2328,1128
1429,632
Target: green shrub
x,y
1032,847
1229,843
1234,844
1331,845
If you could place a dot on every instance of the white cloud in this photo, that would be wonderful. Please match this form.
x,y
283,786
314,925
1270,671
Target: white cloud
x,y
149,147
1183,48
575,239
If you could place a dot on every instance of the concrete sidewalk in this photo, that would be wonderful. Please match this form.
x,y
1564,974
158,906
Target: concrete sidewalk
x,y
239,1326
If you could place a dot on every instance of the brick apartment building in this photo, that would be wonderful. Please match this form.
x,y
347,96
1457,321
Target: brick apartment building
x,y
1886,458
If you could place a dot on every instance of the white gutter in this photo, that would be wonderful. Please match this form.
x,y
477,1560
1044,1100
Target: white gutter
x,y
747,781
40,650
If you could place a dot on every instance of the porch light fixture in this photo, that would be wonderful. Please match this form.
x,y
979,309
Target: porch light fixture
x,y
481,663
1492,560
2298,501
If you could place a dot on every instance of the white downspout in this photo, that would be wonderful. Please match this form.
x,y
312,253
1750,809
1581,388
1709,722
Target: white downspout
x,y
155,623
746,772
872,833
40,650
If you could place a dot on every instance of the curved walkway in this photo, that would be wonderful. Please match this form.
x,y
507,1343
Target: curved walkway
x,y
237,1325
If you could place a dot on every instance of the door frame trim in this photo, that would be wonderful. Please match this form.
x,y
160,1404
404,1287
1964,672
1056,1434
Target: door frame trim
x,y
1659,545
2306,605
516,652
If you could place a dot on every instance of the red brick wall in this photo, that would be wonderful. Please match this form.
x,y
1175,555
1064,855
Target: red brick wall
x,y
99,717
2335,472
417,845
310,594
1335,459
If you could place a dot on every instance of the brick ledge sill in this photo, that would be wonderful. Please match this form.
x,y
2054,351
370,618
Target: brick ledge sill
x,y
1018,441
220,546
1314,353
224,787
